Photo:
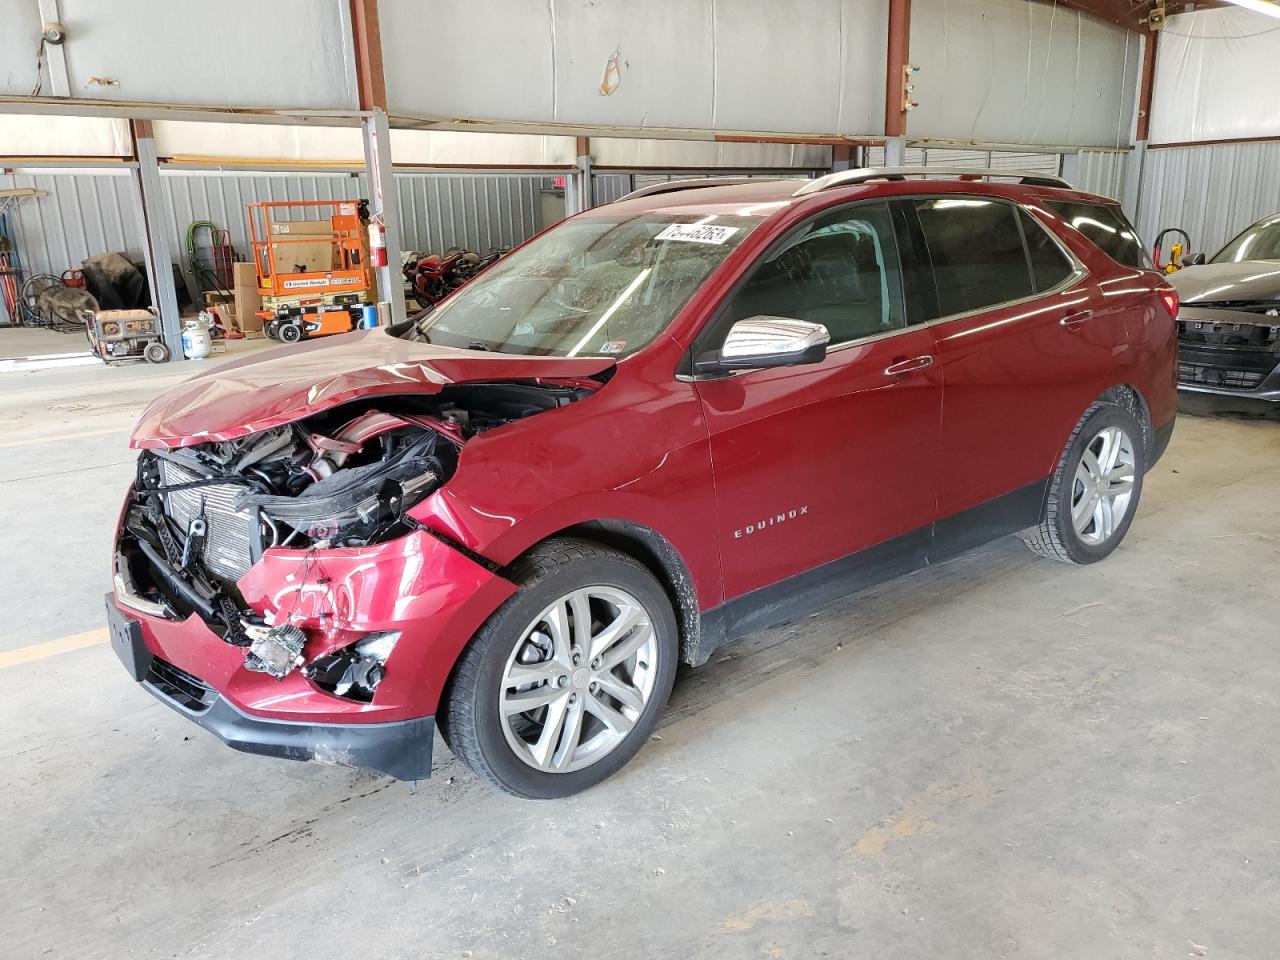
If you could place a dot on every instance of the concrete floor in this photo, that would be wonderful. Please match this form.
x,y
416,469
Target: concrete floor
x,y
997,757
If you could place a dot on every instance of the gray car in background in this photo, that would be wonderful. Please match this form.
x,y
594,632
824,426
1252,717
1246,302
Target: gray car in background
x,y
1229,320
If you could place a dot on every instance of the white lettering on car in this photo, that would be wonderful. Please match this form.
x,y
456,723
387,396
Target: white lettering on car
x,y
773,521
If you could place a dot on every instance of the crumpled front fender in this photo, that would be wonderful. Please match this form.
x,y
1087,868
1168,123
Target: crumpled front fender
x,y
432,593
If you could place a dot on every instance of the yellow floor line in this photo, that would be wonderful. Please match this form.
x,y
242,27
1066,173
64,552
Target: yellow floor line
x,y
38,651
54,438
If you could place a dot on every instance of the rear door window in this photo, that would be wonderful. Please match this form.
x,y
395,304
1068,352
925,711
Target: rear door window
x,y
977,252
1106,226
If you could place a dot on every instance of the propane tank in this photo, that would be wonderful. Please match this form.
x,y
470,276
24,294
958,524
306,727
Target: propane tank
x,y
196,341
377,244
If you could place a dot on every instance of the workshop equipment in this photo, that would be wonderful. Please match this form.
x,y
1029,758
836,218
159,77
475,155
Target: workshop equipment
x,y
116,336
314,275
12,274
1179,251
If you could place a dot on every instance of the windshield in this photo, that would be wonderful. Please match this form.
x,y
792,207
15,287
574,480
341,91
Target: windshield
x,y
1259,242
596,285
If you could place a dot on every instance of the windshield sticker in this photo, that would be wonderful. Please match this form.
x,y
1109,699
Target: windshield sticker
x,y
613,346
697,233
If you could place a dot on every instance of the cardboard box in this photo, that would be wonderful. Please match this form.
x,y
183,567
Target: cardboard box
x,y
313,257
244,275
247,299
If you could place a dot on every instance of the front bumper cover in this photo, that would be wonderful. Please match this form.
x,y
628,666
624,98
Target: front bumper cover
x,y
400,748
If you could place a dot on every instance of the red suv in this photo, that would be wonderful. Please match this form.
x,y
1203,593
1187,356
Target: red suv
x,y
657,426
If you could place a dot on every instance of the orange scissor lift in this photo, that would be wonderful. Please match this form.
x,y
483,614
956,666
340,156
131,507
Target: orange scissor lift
x,y
312,261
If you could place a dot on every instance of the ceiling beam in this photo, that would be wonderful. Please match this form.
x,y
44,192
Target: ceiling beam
x,y
1123,13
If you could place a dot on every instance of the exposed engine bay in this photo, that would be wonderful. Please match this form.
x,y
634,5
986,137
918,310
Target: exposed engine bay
x,y
199,517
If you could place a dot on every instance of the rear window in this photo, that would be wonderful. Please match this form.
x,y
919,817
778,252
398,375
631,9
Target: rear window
x,y
1107,227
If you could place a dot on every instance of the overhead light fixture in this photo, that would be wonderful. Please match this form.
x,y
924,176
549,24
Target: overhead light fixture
x,y
1259,6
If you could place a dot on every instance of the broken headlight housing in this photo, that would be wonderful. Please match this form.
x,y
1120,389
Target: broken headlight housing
x,y
355,671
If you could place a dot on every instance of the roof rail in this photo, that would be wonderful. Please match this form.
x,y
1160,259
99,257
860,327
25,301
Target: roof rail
x,y
846,178
698,183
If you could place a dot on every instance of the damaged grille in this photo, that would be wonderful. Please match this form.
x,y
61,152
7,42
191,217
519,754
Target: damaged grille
x,y
1221,353
227,548
180,687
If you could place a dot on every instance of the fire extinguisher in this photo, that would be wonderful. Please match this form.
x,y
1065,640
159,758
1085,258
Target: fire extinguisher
x,y
377,243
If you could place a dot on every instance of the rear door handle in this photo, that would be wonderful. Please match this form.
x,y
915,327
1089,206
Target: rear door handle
x,y
903,367
1075,319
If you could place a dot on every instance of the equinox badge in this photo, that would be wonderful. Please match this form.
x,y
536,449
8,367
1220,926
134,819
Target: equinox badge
x,y
772,521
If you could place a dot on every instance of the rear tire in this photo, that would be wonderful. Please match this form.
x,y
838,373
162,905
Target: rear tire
x,y
289,333
1094,492
594,697
156,352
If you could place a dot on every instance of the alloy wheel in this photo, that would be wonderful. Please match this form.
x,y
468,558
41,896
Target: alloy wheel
x,y
579,678
1103,485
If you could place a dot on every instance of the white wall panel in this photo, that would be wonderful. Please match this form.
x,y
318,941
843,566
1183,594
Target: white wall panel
x,y
19,37
1010,71
270,53
311,144
25,135
1217,77
776,66
706,154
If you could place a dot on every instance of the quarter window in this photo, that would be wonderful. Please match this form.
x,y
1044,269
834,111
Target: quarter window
x,y
1049,265
840,270
976,250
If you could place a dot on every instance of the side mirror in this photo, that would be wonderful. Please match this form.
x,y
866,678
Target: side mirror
x,y
767,342
1195,260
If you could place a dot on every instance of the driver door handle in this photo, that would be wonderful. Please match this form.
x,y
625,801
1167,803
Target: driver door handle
x,y
1073,320
904,367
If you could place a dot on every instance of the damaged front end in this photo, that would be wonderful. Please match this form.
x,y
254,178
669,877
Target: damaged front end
x,y
200,517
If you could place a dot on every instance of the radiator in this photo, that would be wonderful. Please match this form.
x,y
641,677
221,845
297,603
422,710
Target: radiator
x,y
227,551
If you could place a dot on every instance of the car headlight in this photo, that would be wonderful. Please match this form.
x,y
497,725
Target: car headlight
x,y
355,671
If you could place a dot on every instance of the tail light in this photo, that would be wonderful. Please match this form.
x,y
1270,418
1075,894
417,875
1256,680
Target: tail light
x,y
1169,297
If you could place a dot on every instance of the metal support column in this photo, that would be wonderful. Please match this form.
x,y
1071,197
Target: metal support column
x,y
895,151
586,191
53,54
156,242
1070,168
384,207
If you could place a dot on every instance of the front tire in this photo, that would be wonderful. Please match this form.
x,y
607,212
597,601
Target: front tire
x,y
1094,492
566,681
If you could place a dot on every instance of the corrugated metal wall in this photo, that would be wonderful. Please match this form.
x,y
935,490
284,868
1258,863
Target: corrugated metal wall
x,y
608,187
1032,162
475,211
94,210
85,212
1101,172
1212,192
222,198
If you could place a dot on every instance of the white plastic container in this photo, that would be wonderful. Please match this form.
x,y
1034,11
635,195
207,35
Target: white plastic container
x,y
196,341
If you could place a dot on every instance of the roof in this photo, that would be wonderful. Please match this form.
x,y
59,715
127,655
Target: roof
x,y
758,196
